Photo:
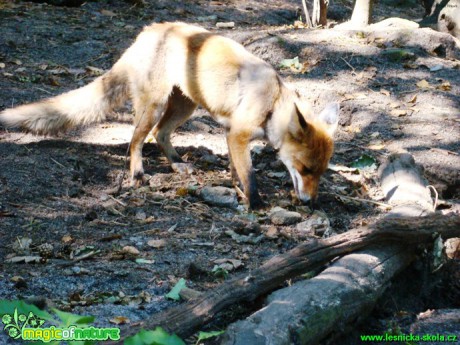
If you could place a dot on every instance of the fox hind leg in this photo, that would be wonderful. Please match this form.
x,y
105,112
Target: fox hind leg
x,y
144,121
178,110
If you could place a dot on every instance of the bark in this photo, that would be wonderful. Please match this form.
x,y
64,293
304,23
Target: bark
x,y
319,16
362,13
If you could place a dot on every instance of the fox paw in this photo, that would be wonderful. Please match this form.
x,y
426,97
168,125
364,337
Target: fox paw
x,y
138,179
257,204
183,168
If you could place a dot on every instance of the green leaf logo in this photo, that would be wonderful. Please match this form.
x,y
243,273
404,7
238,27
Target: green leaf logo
x,y
16,322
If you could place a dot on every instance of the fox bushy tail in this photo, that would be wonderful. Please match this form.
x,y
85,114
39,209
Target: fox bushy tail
x,y
90,103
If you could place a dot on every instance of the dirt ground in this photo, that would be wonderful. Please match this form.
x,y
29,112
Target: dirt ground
x,y
58,196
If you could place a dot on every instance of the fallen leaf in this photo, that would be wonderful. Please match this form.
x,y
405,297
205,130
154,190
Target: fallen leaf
x,y
413,99
228,264
182,191
174,293
130,250
95,71
423,84
207,335
120,320
157,244
398,112
67,239
2,65
108,13
300,25
445,86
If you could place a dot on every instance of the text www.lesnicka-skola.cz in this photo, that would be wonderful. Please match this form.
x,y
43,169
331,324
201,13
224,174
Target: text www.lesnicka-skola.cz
x,y
441,338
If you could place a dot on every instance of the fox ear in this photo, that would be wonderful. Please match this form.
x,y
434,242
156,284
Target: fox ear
x,y
304,125
330,117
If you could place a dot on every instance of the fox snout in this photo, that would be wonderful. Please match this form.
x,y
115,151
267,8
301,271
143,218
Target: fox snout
x,y
306,187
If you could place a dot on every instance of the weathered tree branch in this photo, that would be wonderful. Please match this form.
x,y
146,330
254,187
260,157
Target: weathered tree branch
x,y
188,317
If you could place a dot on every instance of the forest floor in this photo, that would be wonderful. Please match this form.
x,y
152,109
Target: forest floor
x,y
58,196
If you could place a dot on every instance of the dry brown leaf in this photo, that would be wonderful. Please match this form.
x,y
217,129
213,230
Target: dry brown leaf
x,y
2,65
95,71
413,99
423,84
67,239
398,112
120,320
182,191
445,86
394,105
130,250
157,244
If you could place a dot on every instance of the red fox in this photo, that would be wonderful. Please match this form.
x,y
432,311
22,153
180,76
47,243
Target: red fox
x,y
169,70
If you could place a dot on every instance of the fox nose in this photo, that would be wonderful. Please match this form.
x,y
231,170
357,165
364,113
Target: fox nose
x,y
304,198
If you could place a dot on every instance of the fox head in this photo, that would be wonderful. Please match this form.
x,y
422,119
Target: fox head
x,y
307,149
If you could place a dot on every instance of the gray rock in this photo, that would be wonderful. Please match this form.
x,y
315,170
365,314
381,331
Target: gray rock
x,y
280,216
219,196
318,224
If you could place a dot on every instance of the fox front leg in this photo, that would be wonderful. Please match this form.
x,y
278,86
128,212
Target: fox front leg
x,y
240,157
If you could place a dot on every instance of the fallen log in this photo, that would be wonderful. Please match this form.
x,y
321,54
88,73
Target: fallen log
x,y
308,311
188,317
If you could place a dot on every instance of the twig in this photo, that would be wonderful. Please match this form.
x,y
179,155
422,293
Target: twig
x,y
46,91
118,201
86,256
407,91
348,64
61,165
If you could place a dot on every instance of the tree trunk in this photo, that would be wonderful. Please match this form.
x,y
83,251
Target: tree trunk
x,y
362,13
319,16
306,13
